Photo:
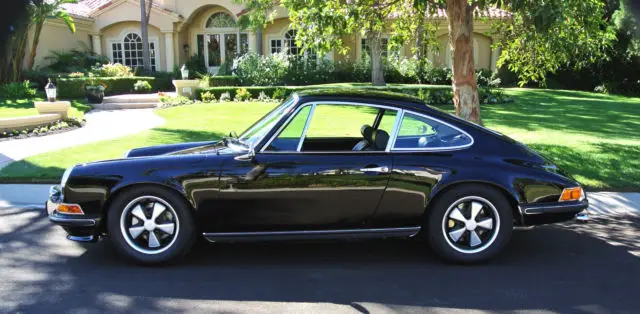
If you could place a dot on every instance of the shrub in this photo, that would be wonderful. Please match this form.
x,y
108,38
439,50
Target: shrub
x,y
163,81
263,97
253,69
226,96
279,93
242,94
112,70
74,60
173,101
208,96
142,87
74,87
195,64
209,80
17,90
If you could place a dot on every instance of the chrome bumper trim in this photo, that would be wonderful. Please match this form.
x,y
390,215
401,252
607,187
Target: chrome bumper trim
x,y
553,208
72,222
85,239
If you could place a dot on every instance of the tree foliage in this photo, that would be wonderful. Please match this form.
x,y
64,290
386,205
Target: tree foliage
x,y
40,11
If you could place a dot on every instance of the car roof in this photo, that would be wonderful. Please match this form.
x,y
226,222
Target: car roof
x,y
363,94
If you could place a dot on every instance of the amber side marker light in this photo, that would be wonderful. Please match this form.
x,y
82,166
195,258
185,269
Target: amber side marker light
x,y
70,209
572,194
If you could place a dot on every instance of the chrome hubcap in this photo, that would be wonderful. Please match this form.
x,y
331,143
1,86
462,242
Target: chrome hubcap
x,y
471,224
149,225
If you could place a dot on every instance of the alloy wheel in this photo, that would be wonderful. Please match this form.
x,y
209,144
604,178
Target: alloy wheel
x,y
149,224
471,224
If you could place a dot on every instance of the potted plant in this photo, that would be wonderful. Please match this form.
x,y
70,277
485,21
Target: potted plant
x,y
94,90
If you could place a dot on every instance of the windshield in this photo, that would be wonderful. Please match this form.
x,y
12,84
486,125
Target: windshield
x,y
259,129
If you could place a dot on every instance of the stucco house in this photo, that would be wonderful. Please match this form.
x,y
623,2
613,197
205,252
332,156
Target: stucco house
x,y
182,28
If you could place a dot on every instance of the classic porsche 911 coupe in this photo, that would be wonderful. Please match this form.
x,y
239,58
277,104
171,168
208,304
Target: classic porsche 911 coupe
x,y
397,168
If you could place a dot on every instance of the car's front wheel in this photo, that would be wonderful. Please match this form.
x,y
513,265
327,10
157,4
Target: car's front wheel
x,y
150,225
470,224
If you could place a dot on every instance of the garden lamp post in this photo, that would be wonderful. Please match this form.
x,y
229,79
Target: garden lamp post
x,y
51,91
185,72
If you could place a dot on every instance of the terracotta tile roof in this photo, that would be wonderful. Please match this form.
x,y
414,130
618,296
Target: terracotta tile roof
x,y
86,7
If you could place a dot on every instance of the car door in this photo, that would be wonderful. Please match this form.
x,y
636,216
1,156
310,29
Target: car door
x,y
288,187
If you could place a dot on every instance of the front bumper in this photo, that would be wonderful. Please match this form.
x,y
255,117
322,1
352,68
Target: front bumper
x,y
78,227
544,213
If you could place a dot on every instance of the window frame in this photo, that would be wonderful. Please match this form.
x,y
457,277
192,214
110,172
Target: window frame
x,y
120,40
310,118
396,131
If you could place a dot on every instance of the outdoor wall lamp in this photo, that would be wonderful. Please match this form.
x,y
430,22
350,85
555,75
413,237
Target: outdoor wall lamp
x,y
51,91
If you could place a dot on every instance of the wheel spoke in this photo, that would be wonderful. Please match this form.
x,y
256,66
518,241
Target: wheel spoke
x,y
153,240
456,234
137,211
457,215
486,224
167,228
474,239
476,207
136,231
157,210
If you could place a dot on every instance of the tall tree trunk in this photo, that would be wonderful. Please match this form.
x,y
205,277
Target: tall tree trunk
x,y
20,50
377,70
34,45
465,89
144,30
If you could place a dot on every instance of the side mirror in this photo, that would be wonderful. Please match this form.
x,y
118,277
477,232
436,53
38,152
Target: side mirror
x,y
249,156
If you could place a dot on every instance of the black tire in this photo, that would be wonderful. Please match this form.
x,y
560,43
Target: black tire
x,y
172,247
442,231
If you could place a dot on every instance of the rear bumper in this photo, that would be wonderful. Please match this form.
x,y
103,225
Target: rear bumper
x,y
544,213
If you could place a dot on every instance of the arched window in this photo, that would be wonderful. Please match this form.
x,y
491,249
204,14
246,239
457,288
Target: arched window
x,y
290,43
128,51
292,48
220,20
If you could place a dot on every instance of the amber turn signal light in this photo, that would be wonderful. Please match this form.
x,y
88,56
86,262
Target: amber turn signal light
x,y
71,209
571,194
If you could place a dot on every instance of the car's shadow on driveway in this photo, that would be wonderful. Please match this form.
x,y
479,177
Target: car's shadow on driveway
x,y
566,268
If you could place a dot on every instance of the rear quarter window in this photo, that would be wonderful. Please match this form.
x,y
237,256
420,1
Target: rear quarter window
x,y
423,133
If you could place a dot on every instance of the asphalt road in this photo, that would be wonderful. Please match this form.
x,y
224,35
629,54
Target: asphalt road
x,y
590,268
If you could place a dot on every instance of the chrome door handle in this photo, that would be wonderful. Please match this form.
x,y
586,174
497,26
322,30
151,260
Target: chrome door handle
x,y
376,169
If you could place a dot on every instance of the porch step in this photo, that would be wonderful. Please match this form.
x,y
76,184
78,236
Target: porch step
x,y
131,98
126,105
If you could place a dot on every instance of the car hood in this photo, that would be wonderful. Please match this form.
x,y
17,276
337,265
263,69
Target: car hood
x,y
174,149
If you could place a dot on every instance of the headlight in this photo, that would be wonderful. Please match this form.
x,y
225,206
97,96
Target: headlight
x,y
65,176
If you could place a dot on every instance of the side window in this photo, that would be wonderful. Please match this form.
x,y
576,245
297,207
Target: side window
x,y
417,132
388,120
332,121
289,138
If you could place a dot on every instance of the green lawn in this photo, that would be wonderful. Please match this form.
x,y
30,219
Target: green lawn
x,y
24,107
595,137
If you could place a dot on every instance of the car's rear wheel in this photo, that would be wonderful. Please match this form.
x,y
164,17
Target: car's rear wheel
x,y
151,225
469,224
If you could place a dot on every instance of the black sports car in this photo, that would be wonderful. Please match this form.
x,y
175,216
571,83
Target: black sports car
x,y
398,169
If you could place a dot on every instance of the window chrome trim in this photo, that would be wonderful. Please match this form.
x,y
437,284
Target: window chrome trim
x,y
314,103
395,131
295,99
306,127
430,149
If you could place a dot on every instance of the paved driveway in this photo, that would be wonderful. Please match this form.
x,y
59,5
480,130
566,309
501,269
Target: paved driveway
x,y
592,268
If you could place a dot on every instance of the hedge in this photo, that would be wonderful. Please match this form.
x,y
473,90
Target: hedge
x,y
288,90
73,87
221,80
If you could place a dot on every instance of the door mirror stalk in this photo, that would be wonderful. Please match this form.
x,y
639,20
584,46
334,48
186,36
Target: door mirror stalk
x,y
249,156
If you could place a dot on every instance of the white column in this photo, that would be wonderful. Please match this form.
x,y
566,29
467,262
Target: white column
x,y
97,45
251,37
168,51
495,55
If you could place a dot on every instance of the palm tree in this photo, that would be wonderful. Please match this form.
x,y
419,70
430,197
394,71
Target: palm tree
x,y
41,10
145,15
